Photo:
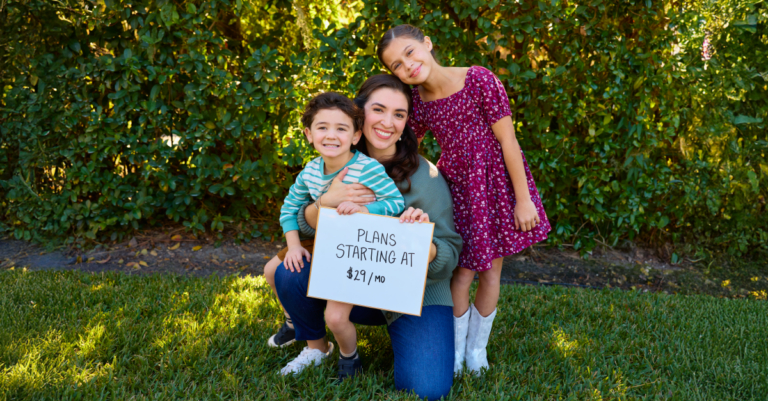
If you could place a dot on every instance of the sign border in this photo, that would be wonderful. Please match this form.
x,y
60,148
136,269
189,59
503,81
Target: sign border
x,y
426,271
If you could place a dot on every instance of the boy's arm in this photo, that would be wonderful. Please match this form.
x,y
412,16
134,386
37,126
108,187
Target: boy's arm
x,y
298,195
294,259
389,200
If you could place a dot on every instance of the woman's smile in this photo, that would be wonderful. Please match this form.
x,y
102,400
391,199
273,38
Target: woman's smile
x,y
382,133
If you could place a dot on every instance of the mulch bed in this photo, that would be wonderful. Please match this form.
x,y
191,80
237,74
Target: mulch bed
x,y
173,251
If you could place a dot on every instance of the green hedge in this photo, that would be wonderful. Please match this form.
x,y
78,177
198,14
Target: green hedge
x,y
117,115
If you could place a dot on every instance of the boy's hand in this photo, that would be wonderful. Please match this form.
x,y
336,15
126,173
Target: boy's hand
x,y
348,207
526,216
293,259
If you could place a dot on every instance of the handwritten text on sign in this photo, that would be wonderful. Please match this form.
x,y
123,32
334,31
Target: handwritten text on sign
x,y
370,260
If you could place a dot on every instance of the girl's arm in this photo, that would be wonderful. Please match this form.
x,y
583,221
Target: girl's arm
x,y
526,215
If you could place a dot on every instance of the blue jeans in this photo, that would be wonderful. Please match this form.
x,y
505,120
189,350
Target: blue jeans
x,y
423,346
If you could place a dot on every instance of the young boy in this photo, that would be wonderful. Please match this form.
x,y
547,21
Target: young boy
x,y
332,124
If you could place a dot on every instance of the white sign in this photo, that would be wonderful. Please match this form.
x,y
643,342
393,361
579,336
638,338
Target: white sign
x,y
370,260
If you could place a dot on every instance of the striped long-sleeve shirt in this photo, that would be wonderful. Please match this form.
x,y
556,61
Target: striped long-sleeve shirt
x,y
311,183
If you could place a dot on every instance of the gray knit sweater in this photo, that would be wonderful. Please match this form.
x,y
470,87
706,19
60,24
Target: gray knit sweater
x,y
429,192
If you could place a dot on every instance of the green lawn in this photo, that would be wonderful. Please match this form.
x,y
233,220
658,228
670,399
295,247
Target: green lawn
x,y
71,335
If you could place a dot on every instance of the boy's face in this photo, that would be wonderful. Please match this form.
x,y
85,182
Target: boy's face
x,y
332,133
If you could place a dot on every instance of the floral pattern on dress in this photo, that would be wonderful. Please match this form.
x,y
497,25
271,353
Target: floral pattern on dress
x,y
473,165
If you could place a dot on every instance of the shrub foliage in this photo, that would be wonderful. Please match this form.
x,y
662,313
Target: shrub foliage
x,y
122,114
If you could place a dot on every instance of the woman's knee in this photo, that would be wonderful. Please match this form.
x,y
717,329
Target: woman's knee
x,y
270,268
287,281
434,382
424,352
430,389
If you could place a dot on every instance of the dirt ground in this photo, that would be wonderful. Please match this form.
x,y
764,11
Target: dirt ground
x,y
176,252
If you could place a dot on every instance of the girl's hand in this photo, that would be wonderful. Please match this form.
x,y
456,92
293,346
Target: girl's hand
x,y
340,192
293,259
412,215
348,208
526,216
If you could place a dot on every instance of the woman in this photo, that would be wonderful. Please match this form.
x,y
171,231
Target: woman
x,y
423,346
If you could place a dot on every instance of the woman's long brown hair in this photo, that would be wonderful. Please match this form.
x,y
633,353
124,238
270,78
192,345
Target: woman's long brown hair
x,y
405,162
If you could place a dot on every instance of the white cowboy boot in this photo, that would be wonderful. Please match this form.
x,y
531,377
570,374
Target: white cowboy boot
x,y
477,340
460,325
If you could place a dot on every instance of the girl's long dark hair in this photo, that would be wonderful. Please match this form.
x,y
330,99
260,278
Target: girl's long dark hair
x,y
405,162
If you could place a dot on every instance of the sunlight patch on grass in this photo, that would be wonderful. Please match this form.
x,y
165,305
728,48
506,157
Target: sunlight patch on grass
x,y
563,343
50,358
91,340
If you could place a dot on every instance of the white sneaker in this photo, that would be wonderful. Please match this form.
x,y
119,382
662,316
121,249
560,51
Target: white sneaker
x,y
308,356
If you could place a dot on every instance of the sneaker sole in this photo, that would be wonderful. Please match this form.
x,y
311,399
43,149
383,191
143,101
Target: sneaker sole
x,y
271,342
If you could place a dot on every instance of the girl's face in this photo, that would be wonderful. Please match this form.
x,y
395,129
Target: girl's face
x,y
386,113
409,59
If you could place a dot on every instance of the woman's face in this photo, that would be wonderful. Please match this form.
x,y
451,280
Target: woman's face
x,y
409,59
386,113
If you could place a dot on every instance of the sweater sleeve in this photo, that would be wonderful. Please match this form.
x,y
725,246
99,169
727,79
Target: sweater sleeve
x,y
448,242
430,193
298,195
446,260
389,200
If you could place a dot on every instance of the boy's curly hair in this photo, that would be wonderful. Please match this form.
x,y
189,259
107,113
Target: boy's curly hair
x,y
332,100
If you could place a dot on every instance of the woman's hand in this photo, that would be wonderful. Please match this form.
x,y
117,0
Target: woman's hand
x,y
412,215
340,192
293,259
526,216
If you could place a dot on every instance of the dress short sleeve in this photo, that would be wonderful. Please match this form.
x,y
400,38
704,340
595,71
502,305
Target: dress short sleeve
x,y
418,128
491,95
415,119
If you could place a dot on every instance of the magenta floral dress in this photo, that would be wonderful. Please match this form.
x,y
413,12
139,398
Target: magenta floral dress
x,y
473,165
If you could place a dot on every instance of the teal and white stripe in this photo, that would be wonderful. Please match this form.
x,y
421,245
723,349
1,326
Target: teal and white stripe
x,y
311,183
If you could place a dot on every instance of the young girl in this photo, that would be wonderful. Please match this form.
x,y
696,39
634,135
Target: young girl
x,y
497,209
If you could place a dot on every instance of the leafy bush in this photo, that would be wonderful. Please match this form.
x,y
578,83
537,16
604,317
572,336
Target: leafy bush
x,y
124,114
628,130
